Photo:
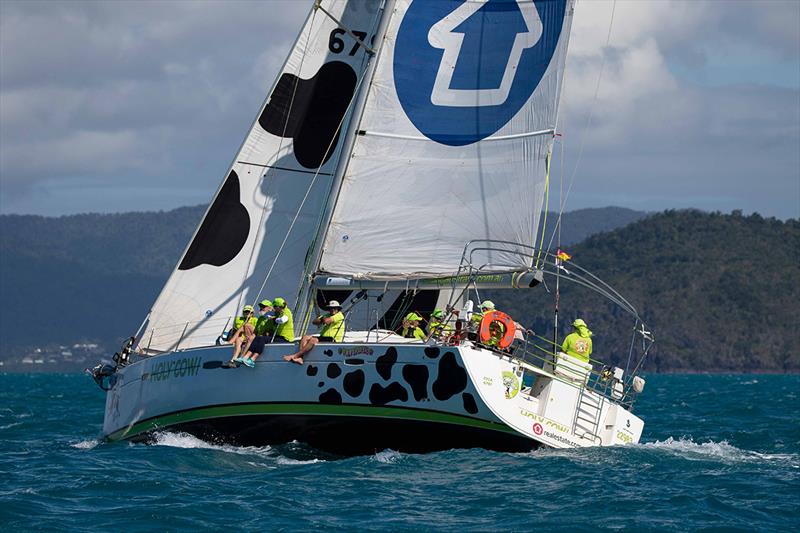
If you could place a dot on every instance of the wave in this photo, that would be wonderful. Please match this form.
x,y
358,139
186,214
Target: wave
x,y
389,457
723,451
186,441
85,444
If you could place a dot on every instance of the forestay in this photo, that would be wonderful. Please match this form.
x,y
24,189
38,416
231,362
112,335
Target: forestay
x,y
454,138
283,171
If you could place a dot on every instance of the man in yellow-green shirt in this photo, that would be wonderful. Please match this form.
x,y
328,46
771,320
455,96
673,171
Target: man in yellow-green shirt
x,y
332,324
578,344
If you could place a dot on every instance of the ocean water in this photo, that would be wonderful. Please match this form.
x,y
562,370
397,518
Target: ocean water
x,y
719,453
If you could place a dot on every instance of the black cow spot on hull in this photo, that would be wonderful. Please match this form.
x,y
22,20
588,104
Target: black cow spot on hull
x,y
432,352
329,353
451,378
334,371
321,384
330,396
310,111
417,377
353,383
469,403
379,395
311,370
223,232
384,363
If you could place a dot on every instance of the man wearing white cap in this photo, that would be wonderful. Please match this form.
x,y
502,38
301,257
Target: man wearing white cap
x,y
332,324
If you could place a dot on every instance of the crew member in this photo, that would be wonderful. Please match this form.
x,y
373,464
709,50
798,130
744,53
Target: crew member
x,y
332,324
242,332
437,327
578,344
411,329
284,324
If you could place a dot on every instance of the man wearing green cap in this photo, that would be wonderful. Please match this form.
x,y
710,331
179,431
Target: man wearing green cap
x,y
284,323
578,344
437,327
242,332
266,324
411,329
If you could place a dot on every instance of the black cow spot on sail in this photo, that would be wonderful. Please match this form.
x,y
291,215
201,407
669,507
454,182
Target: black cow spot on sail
x,y
451,378
334,370
384,363
330,396
417,377
353,383
469,403
311,370
432,352
223,232
310,111
379,395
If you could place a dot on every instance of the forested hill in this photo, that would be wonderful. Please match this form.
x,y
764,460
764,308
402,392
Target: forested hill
x,y
717,290
720,292
93,277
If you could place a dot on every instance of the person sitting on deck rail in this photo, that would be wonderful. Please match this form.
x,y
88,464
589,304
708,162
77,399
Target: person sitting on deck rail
x,y
264,331
437,327
578,344
332,324
284,323
266,323
242,332
411,329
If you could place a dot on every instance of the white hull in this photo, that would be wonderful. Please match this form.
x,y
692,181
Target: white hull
x,y
347,398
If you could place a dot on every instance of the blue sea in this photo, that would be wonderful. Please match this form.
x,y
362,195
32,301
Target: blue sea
x,y
719,453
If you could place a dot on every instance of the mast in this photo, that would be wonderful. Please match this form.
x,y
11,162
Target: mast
x,y
305,298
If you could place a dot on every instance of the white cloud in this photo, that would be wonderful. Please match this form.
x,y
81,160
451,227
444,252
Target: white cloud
x,y
161,93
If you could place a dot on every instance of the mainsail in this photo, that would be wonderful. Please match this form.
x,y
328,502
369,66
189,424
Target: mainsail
x,y
454,139
254,239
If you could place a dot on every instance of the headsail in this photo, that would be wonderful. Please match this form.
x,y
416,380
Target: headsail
x,y
270,203
454,138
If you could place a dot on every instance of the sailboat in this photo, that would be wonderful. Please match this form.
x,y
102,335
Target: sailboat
x,y
398,164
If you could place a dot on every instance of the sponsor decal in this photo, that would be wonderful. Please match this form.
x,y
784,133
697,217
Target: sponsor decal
x,y
350,352
180,368
444,282
545,421
463,70
511,384
487,381
538,429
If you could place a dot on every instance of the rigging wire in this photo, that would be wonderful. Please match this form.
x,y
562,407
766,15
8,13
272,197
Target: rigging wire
x,y
563,200
313,180
271,170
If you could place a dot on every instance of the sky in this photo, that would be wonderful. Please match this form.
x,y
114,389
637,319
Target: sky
x,y
141,106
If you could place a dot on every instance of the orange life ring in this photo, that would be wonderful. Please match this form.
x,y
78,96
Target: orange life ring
x,y
508,324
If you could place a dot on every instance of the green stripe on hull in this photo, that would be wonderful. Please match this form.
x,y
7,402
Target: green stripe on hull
x,y
367,411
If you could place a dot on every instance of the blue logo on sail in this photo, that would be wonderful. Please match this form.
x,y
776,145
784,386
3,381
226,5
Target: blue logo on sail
x,y
462,70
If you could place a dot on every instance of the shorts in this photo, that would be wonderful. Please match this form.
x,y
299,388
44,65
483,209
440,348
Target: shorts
x,y
257,346
326,339
278,339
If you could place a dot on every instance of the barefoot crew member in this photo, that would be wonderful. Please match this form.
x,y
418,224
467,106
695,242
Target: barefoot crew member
x,y
332,324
